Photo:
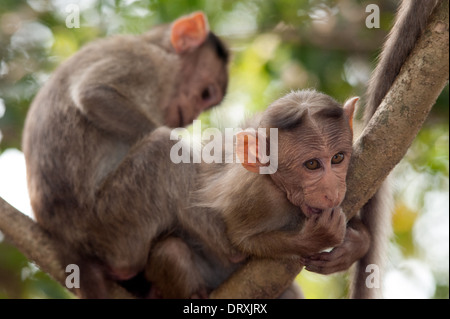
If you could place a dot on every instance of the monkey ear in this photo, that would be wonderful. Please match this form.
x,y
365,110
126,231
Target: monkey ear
x,y
349,109
189,32
247,150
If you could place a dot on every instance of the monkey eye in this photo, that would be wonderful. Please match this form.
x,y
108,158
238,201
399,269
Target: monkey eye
x,y
337,158
209,95
312,164
206,94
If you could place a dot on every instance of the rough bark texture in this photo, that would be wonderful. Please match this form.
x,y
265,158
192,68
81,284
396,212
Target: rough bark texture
x,y
270,283
386,138
31,240
400,116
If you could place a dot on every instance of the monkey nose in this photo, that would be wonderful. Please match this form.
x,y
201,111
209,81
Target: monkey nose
x,y
332,199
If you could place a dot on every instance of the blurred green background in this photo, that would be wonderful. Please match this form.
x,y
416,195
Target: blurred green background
x,y
277,46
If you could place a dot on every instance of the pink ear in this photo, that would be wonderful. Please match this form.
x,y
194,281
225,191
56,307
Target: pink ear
x,y
189,32
247,150
349,109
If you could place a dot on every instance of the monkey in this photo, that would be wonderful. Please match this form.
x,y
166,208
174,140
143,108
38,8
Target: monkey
x,y
89,129
289,213
410,23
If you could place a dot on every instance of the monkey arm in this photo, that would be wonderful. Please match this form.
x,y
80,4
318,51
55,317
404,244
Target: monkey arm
x,y
116,93
356,244
319,232
110,110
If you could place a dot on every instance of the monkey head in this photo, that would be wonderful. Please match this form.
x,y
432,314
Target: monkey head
x,y
314,149
201,67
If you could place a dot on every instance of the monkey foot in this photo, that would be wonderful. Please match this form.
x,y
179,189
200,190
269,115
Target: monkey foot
x,y
202,293
123,274
154,293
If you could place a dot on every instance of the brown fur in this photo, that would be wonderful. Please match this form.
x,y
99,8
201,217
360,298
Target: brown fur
x,y
236,213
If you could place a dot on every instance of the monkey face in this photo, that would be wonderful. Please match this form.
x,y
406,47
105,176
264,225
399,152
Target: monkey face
x,y
203,82
313,173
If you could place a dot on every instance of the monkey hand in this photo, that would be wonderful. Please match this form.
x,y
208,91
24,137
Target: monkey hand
x,y
237,257
322,231
355,246
230,253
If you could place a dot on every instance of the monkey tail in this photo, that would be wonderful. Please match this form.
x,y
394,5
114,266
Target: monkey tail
x,y
376,216
410,22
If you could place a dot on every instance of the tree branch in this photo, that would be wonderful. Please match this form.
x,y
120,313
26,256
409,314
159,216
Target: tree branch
x,y
27,236
31,240
386,138
401,114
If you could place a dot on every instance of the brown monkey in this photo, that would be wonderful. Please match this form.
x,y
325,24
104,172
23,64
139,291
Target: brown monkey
x,y
291,212
86,142
409,24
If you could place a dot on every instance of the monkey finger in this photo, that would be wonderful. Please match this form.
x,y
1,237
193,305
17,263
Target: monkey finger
x,y
328,213
202,293
333,214
320,256
336,253
237,257
327,263
325,268
315,218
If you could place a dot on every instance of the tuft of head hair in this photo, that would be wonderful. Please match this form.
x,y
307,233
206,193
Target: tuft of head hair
x,y
219,46
291,110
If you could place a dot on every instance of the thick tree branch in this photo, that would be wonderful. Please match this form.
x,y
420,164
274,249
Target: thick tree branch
x,y
31,240
386,138
401,114
38,246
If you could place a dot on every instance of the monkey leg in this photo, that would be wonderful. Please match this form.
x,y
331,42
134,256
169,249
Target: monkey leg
x,y
138,202
173,272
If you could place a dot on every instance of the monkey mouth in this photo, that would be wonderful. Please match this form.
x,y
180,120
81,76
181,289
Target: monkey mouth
x,y
309,211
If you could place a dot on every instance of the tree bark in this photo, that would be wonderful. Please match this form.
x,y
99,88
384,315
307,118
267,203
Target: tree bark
x,y
31,240
386,138
39,247
401,114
